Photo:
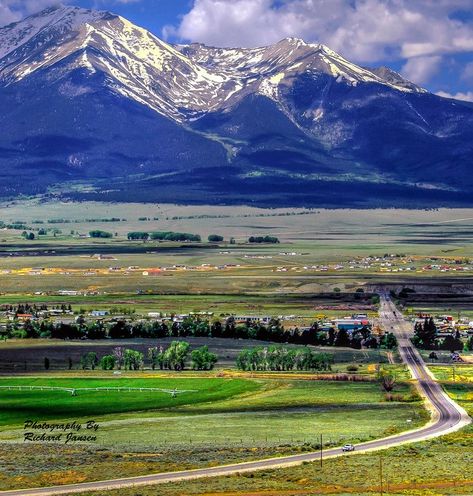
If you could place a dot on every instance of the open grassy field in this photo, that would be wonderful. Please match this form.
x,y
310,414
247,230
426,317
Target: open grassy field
x,y
307,237
306,306
365,227
61,404
457,373
225,416
424,469
438,467
226,419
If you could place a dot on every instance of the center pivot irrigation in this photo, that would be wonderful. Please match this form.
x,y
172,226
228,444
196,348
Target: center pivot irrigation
x,y
74,391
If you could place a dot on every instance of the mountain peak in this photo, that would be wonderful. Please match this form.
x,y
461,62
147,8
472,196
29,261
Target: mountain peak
x,y
50,26
178,81
59,14
293,41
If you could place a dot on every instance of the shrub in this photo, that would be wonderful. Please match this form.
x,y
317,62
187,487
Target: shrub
x,y
352,368
203,359
107,362
215,238
174,236
263,239
100,234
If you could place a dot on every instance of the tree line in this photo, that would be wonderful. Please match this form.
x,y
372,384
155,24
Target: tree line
x,y
163,236
198,327
426,338
263,239
175,357
280,358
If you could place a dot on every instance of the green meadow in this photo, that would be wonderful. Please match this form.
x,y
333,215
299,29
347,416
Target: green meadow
x,y
217,421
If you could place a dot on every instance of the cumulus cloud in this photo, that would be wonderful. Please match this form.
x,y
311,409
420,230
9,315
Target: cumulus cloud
x,y
467,74
14,10
366,31
468,96
422,69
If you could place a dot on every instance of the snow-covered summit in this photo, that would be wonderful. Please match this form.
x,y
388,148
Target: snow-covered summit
x,y
179,81
47,26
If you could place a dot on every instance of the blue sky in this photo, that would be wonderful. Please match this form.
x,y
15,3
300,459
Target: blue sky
x,y
150,14
428,41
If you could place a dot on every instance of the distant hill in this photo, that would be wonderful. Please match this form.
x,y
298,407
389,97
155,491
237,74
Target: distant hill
x,y
96,107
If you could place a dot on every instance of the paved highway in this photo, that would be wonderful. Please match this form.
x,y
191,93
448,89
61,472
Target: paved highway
x,y
447,417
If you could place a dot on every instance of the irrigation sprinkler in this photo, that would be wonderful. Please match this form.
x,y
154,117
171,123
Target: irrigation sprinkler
x,y
172,392
321,451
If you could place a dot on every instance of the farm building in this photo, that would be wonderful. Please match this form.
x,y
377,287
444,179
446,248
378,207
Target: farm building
x,y
351,324
152,272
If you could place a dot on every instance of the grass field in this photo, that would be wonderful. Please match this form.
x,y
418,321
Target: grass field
x,y
438,467
375,227
61,404
225,416
305,306
461,373
227,419
307,237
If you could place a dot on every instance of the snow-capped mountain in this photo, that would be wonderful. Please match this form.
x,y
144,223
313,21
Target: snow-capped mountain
x,y
177,82
88,96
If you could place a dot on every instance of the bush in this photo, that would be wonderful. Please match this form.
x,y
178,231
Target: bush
x,y
100,234
138,235
174,236
133,360
203,359
263,239
215,238
89,361
108,362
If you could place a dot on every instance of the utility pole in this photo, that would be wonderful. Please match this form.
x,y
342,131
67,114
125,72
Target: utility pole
x,y
321,451
381,475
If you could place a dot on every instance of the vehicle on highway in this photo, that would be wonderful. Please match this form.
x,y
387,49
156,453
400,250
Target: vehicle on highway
x,y
348,447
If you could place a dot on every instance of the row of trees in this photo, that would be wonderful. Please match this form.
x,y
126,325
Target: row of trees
x,y
280,358
426,338
97,233
174,357
34,308
197,327
171,236
263,239
163,236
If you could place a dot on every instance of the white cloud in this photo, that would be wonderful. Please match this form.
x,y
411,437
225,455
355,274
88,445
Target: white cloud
x,y
7,15
366,31
421,69
14,10
467,74
468,96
